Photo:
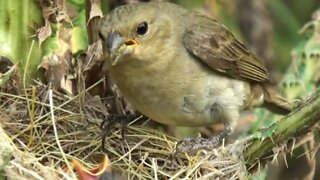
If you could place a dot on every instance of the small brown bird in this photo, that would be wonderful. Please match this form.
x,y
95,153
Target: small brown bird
x,y
181,68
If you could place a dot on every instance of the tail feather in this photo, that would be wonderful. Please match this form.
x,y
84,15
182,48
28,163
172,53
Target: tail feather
x,y
275,103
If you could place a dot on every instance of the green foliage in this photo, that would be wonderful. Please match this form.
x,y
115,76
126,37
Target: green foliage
x,y
18,21
77,3
299,80
79,41
78,29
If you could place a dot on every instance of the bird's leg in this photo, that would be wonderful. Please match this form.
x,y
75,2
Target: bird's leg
x,y
123,124
192,145
108,124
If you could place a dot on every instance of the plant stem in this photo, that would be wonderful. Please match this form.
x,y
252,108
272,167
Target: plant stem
x,y
301,119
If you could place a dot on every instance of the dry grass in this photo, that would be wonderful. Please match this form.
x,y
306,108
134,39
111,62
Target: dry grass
x,y
42,132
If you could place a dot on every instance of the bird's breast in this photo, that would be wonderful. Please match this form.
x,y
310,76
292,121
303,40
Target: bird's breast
x,y
180,92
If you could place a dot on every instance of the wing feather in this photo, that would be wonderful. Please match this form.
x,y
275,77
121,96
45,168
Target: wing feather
x,y
212,43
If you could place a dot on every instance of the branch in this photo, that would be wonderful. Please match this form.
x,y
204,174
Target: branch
x,y
301,119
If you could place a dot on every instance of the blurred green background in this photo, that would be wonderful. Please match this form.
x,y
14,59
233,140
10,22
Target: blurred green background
x,y
270,28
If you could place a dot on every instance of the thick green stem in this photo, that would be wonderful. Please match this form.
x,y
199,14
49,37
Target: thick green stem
x,y
287,127
18,23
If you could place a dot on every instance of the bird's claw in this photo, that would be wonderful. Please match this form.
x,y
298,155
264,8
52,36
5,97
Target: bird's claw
x,y
193,145
109,124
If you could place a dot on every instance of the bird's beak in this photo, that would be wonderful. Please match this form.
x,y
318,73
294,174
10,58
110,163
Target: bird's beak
x,y
119,46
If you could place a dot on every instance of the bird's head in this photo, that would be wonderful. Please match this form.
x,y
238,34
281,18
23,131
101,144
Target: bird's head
x,y
136,32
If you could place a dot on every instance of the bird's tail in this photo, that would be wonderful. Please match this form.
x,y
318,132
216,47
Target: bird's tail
x,y
276,103
267,96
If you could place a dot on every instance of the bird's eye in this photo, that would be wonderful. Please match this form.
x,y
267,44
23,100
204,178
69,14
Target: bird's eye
x,y
142,28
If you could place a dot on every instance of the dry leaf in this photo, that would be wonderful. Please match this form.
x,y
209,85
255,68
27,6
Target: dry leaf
x,y
95,10
55,70
44,32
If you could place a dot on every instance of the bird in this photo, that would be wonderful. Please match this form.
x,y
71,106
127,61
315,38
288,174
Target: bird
x,y
182,68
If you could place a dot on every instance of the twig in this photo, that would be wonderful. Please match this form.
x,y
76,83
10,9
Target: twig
x,y
295,123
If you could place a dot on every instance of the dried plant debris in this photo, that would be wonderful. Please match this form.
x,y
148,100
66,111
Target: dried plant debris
x,y
49,137
95,10
53,11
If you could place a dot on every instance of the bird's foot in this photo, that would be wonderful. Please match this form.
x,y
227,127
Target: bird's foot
x,y
192,145
108,125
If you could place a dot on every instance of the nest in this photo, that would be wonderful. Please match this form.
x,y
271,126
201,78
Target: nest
x,y
42,131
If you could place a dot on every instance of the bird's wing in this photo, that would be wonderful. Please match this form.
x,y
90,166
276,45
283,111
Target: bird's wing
x,y
212,43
